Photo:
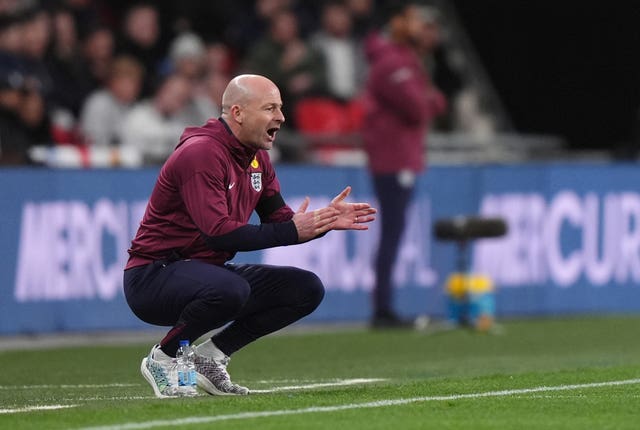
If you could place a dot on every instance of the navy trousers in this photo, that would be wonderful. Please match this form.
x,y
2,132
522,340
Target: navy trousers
x,y
196,297
394,198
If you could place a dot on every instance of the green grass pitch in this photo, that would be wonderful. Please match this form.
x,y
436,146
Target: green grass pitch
x,y
573,373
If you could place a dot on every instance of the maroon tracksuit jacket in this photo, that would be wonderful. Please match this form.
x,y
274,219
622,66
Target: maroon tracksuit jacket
x,y
203,199
400,102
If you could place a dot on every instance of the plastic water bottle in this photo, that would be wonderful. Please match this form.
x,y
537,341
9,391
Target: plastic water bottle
x,y
191,356
186,370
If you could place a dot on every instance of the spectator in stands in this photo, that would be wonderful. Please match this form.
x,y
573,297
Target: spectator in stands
x,y
14,136
296,68
98,50
362,16
87,14
36,38
343,56
14,142
249,27
154,126
402,102
105,110
37,33
23,118
188,56
220,59
214,85
11,30
140,39
71,85
438,63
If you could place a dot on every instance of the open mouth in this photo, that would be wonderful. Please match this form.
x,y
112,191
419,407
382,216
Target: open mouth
x,y
272,132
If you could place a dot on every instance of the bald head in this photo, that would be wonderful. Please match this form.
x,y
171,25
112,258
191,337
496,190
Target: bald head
x,y
252,108
243,88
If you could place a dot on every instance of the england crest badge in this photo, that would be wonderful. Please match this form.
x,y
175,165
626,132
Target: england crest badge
x,y
256,181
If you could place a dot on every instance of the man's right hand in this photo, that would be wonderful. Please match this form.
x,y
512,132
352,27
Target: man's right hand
x,y
314,223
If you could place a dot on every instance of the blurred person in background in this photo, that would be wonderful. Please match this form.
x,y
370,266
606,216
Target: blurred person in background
x,y
11,31
363,14
252,23
36,41
141,39
87,14
26,83
153,126
437,61
98,50
105,110
401,102
220,58
343,56
188,58
14,141
296,68
71,84
16,136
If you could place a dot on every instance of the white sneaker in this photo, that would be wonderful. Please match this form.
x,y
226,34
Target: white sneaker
x,y
161,375
212,376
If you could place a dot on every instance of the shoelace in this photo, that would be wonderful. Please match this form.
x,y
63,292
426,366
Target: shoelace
x,y
216,372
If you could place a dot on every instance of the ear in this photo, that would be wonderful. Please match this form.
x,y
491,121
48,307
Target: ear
x,y
236,113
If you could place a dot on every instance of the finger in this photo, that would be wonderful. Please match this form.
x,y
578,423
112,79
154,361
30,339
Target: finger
x,y
358,227
305,204
365,218
366,212
343,195
361,206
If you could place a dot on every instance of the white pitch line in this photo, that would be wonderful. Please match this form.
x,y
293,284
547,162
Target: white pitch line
x,y
340,383
377,404
111,398
38,387
35,408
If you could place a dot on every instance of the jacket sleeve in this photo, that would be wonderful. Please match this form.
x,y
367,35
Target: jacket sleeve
x,y
401,86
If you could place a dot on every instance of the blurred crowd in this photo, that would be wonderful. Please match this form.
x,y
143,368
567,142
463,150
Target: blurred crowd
x,y
128,77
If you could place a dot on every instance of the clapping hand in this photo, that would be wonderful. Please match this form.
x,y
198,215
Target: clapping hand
x,y
351,216
339,215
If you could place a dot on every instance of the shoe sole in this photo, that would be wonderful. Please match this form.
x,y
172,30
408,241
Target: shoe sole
x,y
207,386
149,377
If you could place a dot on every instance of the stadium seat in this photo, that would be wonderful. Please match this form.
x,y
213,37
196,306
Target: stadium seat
x,y
320,115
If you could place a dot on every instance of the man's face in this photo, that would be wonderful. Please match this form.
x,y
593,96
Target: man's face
x,y
261,119
414,23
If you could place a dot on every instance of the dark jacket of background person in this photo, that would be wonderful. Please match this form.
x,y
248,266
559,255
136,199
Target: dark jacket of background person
x,y
400,102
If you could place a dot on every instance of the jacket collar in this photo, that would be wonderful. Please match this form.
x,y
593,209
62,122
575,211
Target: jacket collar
x,y
243,154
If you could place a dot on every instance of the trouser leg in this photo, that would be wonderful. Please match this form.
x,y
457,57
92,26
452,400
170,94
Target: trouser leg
x,y
196,297
394,199
279,296
192,296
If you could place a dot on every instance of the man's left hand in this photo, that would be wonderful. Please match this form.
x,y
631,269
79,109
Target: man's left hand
x,y
351,216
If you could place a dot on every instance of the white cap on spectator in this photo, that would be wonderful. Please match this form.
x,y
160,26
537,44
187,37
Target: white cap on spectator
x,y
186,45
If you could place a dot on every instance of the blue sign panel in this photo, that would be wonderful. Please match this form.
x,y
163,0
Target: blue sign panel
x,y
573,244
